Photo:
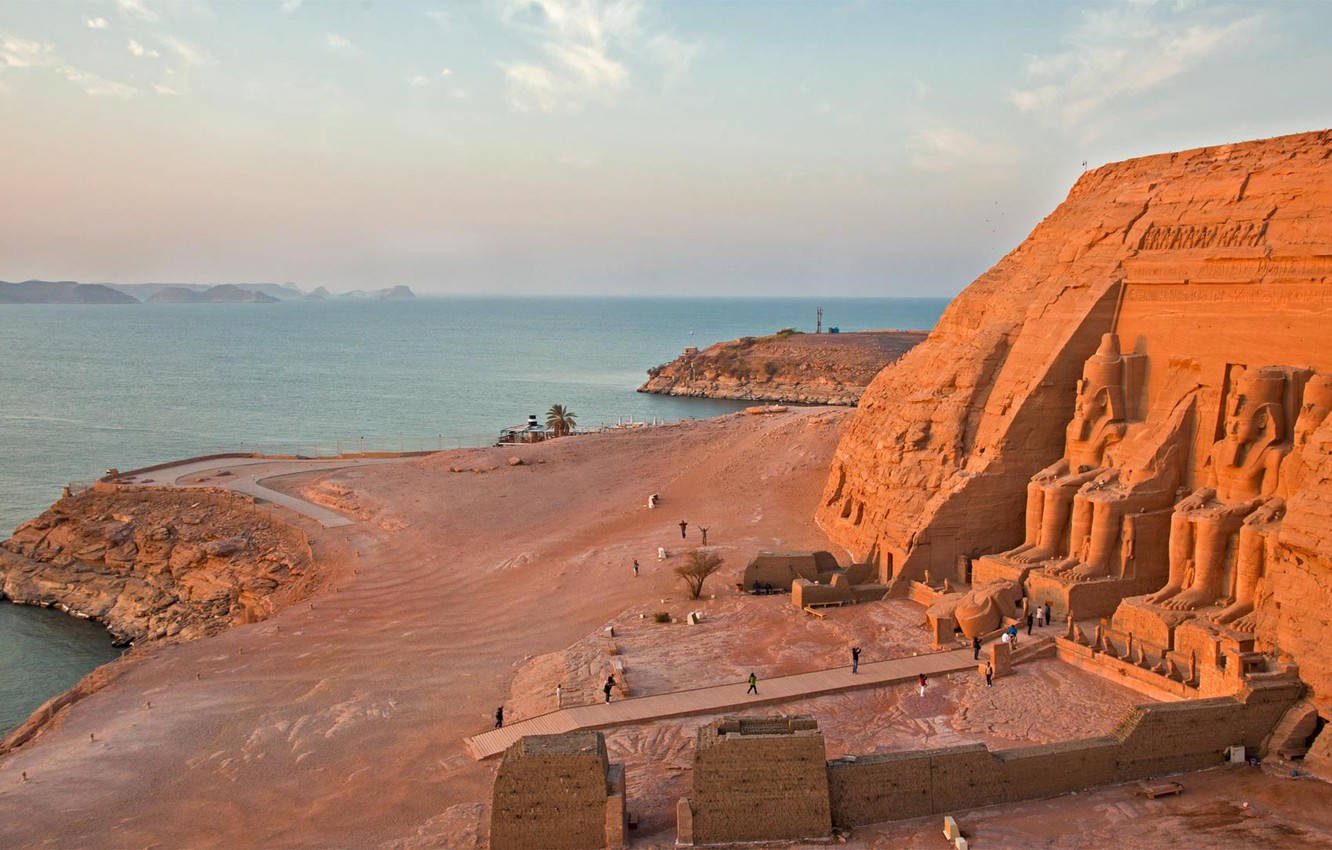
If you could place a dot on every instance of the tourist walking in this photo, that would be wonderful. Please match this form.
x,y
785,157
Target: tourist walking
x,y
610,683
1012,635
753,684
989,675
1047,612
705,534
683,526
499,717
922,684
855,658
975,648
1031,618
559,696
635,566
1040,616
661,553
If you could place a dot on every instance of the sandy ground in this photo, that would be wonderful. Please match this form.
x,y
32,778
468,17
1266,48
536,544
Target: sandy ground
x,y
339,722
466,583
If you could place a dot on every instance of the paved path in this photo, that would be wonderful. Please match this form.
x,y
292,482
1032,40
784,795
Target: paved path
x,y
721,698
249,473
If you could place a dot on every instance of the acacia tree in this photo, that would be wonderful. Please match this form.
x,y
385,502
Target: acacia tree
x,y
697,566
561,420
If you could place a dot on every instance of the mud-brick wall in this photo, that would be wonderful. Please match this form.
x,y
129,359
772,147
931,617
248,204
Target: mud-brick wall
x,y
1151,740
552,794
760,788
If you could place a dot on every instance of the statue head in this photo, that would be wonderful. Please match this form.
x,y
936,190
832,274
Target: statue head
x,y
1314,408
1254,412
1100,391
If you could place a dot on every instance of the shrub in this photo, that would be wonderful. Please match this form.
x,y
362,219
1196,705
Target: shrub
x,y
662,616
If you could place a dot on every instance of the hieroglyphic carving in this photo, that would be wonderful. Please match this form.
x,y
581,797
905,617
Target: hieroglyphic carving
x,y
1175,237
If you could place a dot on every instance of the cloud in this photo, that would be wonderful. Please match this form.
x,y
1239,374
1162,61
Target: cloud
x,y
96,23
941,148
440,17
22,53
163,89
95,85
587,47
139,50
290,6
1125,50
191,54
338,44
418,81
446,72
138,9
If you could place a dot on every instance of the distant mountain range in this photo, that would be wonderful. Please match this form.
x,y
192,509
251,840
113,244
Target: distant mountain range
x,y
73,292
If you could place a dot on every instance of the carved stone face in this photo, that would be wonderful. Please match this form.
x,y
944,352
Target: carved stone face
x,y
1091,406
1317,405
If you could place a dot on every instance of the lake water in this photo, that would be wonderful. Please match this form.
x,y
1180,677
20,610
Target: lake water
x,y
91,387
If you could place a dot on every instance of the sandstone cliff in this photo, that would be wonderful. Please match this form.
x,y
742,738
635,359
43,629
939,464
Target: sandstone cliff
x,y
152,563
784,367
934,464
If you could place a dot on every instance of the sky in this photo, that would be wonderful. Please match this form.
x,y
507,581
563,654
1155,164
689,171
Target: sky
x,y
625,147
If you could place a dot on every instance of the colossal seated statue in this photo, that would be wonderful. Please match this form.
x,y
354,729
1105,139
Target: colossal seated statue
x,y
1099,421
1142,474
1242,471
1261,525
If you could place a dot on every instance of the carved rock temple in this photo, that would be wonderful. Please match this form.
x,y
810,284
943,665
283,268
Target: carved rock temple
x,y
1127,417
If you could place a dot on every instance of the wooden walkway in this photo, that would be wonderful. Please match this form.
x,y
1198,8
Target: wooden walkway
x,y
721,698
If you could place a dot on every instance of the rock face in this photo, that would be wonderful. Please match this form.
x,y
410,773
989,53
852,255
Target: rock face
x,y
785,367
1212,268
151,563
223,293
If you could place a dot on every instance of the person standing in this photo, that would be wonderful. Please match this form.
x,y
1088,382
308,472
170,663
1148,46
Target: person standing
x,y
499,717
753,685
635,567
661,553
922,684
559,695
989,675
1047,612
1031,618
610,683
855,659
975,648
683,526
1040,616
705,534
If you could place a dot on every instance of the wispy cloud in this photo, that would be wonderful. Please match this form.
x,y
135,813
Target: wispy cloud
x,y
22,53
940,148
290,6
96,23
1125,50
419,81
190,54
139,50
338,43
95,85
164,89
137,8
587,46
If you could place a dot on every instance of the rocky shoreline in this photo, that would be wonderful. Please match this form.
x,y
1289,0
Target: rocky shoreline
x,y
785,367
152,563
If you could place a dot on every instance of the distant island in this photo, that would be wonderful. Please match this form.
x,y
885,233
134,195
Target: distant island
x,y
73,292
799,368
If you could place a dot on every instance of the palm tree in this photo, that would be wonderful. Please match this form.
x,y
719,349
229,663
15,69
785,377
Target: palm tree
x,y
561,420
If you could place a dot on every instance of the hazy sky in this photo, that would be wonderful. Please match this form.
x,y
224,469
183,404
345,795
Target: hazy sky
x,y
603,146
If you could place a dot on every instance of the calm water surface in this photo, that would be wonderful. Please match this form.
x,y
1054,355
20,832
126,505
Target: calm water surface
x,y
91,387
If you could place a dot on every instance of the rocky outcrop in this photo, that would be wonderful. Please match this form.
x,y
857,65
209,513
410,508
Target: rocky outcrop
x,y
936,461
223,293
153,563
787,367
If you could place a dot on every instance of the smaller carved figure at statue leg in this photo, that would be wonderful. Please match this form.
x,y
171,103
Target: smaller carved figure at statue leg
x,y
1181,551
1211,536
